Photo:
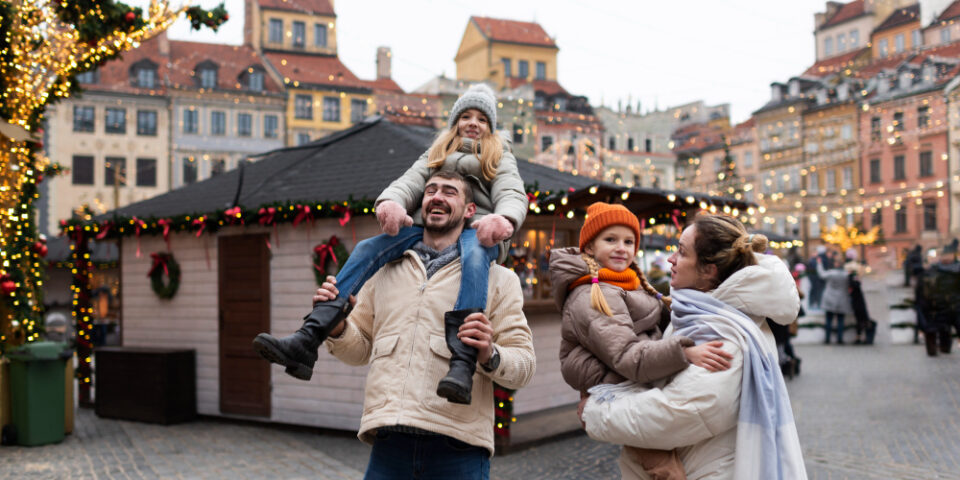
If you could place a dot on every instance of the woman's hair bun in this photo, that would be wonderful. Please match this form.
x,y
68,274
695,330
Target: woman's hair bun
x,y
752,242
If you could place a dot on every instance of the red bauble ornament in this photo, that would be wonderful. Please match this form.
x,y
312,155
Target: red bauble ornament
x,y
130,16
7,287
40,248
226,17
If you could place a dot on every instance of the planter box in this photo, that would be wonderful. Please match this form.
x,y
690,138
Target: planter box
x,y
155,385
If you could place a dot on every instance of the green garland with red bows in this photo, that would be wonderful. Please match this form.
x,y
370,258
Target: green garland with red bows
x,y
164,265
332,252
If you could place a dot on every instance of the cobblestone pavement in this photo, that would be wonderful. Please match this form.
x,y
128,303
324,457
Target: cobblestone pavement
x,y
862,413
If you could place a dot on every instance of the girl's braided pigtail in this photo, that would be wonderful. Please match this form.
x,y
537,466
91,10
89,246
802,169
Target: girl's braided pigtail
x,y
597,300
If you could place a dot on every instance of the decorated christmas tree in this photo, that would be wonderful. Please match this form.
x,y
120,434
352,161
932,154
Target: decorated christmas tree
x,y
44,45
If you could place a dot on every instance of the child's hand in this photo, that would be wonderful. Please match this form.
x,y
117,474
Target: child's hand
x,y
709,355
392,216
493,229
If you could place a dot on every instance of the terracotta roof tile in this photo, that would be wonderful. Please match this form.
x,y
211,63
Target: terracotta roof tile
x,y
846,12
322,70
952,11
835,64
547,87
900,16
513,31
115,76
384,85
231,62
320,7
880,64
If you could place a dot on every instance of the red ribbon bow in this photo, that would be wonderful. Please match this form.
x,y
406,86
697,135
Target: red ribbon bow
x,y
304,214
323,251
201,223
137,225
165,223
676,222
345,211
106,229
159,260
267,215
234,214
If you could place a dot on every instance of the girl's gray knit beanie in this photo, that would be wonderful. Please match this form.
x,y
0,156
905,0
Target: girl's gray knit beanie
x,y
479,96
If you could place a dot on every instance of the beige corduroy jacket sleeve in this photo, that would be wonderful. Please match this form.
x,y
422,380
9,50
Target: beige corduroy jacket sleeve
x,y
511,334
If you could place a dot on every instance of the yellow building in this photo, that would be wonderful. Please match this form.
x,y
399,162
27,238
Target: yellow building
x,y
899,33
299,41
505,52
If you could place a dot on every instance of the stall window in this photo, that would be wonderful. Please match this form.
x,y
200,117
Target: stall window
x,y
529,258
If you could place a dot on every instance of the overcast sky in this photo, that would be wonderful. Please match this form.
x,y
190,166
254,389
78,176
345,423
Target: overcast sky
x,y
662,53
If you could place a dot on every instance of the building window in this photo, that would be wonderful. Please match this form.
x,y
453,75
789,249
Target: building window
x,y
191,120
144,74
916,38
116,120
507,73
270,126
875,132
923,117
945,35
276,30
83,119
899,43
841,42
747,159
847,178
930,216
303,107
358,110
517,134
255,81
898,121
926,164
630,144
884,48
541,71
877,220
244,124
828,46
299,34
611,143
899,168
814,182
523,69
846,132
319,35
648,145
854,38
900,219
831,181
82,170
217,166
218,123
303,138
88,78
208,77
147,122
189,170
545,143
331,109
115,171
146,172
875,170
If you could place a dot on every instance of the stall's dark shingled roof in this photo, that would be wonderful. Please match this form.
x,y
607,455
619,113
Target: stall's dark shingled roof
x,y
356,163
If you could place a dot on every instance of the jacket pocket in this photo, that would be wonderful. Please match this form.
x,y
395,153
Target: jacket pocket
x,y
384,379
437,368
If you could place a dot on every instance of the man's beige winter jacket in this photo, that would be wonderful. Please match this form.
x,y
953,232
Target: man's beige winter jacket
x,y
397,327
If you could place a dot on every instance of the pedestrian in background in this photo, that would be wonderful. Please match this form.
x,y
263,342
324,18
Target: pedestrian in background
x,y
816,282
866,326
836,299
941,292
911,262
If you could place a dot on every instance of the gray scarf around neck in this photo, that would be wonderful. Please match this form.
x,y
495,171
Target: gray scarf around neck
x,y
434,260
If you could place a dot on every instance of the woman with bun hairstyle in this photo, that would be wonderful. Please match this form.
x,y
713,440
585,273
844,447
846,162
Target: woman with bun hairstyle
x,y
612,320
731,424
471,147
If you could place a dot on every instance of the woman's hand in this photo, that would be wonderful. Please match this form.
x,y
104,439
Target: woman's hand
x,y
710,356
392,216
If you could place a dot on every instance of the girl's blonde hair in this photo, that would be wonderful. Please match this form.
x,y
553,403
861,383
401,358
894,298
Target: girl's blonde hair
x,y
599,302
488,149
723,241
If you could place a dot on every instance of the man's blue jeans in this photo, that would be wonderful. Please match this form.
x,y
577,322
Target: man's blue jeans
x,y
405,456
372,254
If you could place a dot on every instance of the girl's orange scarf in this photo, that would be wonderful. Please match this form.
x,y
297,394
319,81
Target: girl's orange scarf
x,y
627,279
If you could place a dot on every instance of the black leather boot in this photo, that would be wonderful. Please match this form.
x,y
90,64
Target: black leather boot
x,y
458,383
298,352
930,338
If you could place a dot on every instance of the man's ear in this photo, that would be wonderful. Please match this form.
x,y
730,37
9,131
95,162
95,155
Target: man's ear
x,y
470,210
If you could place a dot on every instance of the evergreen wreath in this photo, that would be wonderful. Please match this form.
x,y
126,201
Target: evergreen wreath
x,y
333,251
164,263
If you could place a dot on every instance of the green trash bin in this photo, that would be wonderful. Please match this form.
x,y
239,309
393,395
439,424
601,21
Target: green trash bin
x,y
37,392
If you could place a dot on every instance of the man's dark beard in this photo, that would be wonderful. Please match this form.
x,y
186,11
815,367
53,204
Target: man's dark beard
x,y
446,227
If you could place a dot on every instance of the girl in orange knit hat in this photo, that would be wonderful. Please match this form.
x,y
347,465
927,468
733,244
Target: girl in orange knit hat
x,y
612,314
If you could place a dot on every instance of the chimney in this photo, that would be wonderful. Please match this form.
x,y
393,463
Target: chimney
x,y
821,17
163,44
251,23
383,62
